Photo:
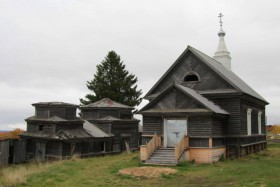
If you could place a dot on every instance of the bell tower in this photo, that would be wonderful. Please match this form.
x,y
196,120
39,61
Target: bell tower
x,y
222,55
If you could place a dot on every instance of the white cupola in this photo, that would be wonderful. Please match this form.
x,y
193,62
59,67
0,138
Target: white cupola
x,y
222,55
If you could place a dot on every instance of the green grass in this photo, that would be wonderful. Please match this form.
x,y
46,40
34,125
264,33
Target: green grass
x,y
262,169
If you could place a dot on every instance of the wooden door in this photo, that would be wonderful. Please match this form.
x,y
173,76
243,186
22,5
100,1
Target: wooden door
x,y
40,151
174,130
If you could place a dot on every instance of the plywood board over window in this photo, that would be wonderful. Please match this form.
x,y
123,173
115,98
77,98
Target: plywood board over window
x,y
249,121
260,122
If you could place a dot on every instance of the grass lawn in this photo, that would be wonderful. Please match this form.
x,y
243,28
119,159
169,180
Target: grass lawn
x,y
262,169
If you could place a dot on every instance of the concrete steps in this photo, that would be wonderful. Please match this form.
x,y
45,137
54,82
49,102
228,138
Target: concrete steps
x,y
163,156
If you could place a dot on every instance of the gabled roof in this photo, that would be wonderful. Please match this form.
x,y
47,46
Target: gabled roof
x,y
228,75
52,119
109,118
89,131
106,103
216,66
191,93
94,131
112,119
73,134
204,101
55,104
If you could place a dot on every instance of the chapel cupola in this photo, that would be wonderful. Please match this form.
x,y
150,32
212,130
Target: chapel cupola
x,y
222,55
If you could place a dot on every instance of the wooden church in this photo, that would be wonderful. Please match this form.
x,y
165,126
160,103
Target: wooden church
x,y
54,132
201,110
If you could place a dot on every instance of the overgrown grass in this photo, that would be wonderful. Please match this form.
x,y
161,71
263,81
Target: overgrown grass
x,y
262,169
13,175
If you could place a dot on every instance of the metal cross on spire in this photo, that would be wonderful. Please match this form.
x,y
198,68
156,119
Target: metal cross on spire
x,y
220,16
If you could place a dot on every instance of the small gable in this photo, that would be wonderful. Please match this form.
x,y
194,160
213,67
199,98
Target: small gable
x,y
177,100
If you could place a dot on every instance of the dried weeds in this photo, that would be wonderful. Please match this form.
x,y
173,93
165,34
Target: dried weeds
x,y
147,172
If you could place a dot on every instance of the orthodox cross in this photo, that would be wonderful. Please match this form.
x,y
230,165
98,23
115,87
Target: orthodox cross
x,y
220,16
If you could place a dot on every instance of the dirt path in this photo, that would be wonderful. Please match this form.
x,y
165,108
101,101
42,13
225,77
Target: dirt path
x,y
147,172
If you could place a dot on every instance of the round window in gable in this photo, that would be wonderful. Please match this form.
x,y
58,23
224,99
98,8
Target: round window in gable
x,y
191,77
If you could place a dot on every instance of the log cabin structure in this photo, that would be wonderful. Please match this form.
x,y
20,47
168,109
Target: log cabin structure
x,y
200,110
12,151
54,132
114,118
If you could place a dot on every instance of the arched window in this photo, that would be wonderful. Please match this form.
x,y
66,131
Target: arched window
x,y
191,77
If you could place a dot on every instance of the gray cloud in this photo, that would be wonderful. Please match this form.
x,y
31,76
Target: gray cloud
x,y
49,49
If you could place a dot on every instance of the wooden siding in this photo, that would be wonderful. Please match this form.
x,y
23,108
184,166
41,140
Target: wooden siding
x,y
185,102
126,130
125,114
19,155
199,142
42,113
177,100
256,107
66,149
107,127
218,126
113,113
47,128
231,105
152,125
70,113
60,112
89,115
31,127
199,126
71,126
218,142
48,112
209,80
53,148
4,152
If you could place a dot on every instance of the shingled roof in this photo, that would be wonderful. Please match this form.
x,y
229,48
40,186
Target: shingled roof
x,y
106,103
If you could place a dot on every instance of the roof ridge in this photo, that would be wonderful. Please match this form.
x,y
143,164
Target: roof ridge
x,y
196,96
106,103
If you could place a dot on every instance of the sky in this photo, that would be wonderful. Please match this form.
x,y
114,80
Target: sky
x,y
49,49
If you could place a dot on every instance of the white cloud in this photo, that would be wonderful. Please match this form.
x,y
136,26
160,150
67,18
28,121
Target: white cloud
x,y
13,126
49,49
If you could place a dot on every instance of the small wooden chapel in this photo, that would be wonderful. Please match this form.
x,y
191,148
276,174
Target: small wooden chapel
x,y
201,110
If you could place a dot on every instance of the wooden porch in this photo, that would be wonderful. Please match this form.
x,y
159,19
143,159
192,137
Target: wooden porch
x,y
154,153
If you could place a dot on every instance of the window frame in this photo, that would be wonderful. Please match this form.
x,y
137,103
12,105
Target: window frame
x,y
249,121
191,73
260,122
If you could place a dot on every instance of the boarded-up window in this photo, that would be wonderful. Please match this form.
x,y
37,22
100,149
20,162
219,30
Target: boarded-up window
x,y
57,112
249,121
42,113
260,122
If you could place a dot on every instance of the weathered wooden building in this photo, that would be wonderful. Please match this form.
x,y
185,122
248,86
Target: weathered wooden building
x,y
12,151
114,118
55,132
200,110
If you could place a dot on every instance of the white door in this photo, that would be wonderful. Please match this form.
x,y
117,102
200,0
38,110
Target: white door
x,y
174,130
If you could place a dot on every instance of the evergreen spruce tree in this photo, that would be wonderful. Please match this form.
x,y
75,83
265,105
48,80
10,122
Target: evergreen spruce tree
x,y
113,81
